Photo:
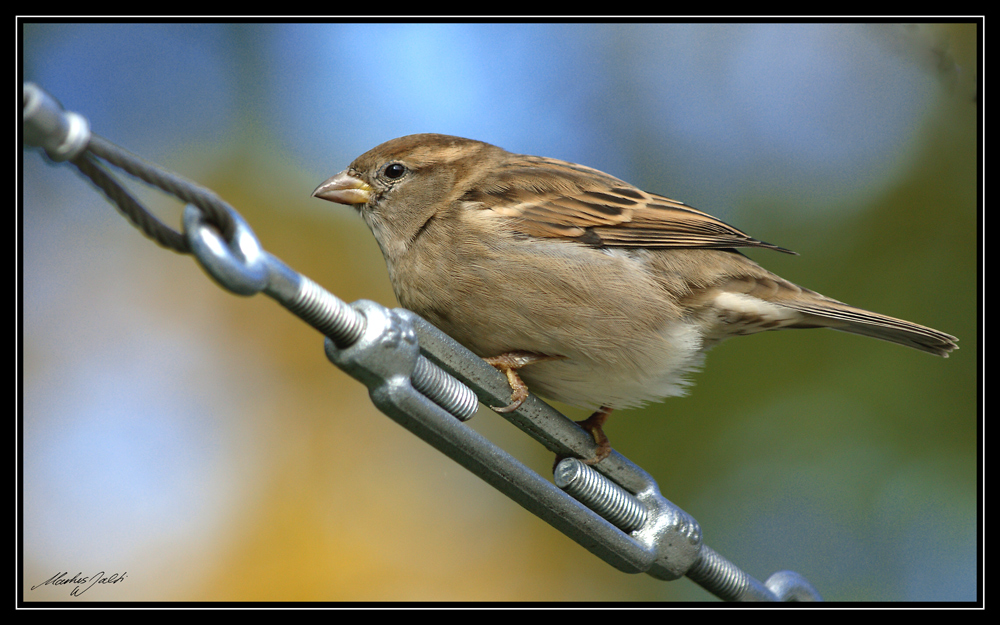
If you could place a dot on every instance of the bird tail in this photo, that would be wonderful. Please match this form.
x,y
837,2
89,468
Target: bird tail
x,y
839,316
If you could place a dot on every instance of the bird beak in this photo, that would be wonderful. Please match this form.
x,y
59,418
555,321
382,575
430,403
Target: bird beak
x,y
344,189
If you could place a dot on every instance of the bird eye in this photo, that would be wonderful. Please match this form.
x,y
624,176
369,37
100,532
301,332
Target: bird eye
x,y
394,171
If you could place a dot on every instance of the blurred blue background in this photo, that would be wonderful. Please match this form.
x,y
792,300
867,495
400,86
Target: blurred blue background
x,y
201,442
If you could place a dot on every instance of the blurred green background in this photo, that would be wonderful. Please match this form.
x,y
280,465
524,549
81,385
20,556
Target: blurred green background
x,y
201,442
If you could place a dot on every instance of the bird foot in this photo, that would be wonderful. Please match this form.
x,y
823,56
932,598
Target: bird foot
x,y
508,364
594,424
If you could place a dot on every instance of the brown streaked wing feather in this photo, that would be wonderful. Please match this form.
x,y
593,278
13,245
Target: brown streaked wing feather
x,y
566,200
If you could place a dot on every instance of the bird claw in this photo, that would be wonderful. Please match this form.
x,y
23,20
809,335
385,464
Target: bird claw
x,y
509,363
594,424
519,392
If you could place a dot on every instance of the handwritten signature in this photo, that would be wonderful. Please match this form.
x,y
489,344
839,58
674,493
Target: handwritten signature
x,y
83,583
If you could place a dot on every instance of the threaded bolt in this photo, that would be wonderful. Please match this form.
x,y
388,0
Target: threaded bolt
x,y
725,580
615,504
327,313
444,390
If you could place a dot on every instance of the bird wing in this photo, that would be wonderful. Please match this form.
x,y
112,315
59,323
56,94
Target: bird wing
x,y
556,199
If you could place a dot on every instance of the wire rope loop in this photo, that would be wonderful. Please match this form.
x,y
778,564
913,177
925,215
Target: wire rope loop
x,y
239,265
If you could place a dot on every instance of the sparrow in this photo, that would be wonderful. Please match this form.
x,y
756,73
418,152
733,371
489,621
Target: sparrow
x,y
575,284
